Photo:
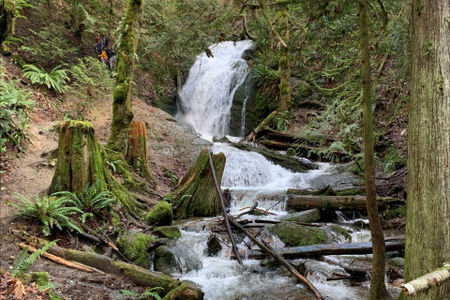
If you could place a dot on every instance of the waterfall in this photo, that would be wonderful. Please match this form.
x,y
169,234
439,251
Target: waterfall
x,y
212,82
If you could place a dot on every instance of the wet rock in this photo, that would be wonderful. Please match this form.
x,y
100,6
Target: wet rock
x,y
165,261
293,234
185,291
160,214
171,232
134,246
306,216
214,246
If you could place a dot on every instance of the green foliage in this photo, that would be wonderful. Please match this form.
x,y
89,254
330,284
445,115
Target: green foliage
x,y
91,78
282,120
14,106
150,293
92,200
51,212
24,262
333,152
48,45
21,4
55,80
393,160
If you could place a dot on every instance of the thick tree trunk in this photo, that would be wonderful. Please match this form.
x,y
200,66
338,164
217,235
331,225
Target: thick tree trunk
x,y
377,285
79,162
428,205
122,113
137,155
7,19
357,202
196,194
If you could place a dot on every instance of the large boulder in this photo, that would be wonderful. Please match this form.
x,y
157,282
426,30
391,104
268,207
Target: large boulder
x,y
293,234
160,214
165,261
134,246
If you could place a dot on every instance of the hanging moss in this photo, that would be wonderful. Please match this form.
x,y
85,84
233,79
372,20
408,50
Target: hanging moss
x,y
160,214
196,194
134,246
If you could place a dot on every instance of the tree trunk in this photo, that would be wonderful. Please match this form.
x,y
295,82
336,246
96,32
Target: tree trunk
x,y
428,205
7,19
79,162
377,286
122,113
137,150
196,194
284,64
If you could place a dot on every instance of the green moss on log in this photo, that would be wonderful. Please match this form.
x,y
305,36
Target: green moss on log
x,y
298,235
134,246
160,214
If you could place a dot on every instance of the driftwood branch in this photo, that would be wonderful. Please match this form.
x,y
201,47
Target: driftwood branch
x,y
277,257
224,211
427,281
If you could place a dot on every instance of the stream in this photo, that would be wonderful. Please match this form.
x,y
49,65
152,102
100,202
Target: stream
x,y
207,98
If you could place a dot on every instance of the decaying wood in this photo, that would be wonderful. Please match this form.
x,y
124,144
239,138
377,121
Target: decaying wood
x,y
329,249
224,211
427,281
277,257
61,261
300,202
252,136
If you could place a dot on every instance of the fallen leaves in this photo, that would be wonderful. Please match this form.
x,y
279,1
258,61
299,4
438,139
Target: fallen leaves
x,y
12,288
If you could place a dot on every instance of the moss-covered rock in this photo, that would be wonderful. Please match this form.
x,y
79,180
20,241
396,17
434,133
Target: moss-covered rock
x,y
134,245
298,235
185,291
165,261
171,232
160,214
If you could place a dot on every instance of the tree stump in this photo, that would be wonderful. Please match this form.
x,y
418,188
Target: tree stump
x,y
137,150
79,162
196,193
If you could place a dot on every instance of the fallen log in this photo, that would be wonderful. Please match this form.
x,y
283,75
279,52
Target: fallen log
x,y
427,281
252,136
290,163
277,257
329,249
301,202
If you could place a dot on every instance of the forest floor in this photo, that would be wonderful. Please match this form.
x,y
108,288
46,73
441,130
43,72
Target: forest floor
x,y
30,171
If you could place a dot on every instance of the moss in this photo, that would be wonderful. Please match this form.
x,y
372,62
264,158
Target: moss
x,y
393,160
350,192
171,232
185,291
397,212
41,278
134,246
298,235
341,231
291,151
115,220
161,214
80,124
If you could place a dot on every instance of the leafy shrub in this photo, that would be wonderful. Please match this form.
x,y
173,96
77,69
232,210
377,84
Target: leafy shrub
x,y
91,200
24,262
55,80
50,212
14,105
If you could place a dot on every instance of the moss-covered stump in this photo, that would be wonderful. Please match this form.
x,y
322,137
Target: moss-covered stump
x,y
79,163
160,214
165,261
196,194
298,235
137,150
185,291
135,245
171,232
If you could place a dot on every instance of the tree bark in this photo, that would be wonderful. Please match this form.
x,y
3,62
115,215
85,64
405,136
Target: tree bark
x,y
357,202
79,163
137,155
427,281
7,19
284,63
377,285
122,113
428,205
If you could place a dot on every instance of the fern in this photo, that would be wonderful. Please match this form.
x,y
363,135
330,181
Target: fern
x,y
150,293
51,212
24,263
55,80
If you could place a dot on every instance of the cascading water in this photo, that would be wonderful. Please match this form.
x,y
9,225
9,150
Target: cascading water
x,y
207,99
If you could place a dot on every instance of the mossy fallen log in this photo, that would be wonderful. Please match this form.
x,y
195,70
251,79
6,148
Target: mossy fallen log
x,y
253,135
290,163
196,194
301,202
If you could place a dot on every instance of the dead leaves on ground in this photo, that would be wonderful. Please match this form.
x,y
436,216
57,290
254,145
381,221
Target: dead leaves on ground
x,y
13,289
